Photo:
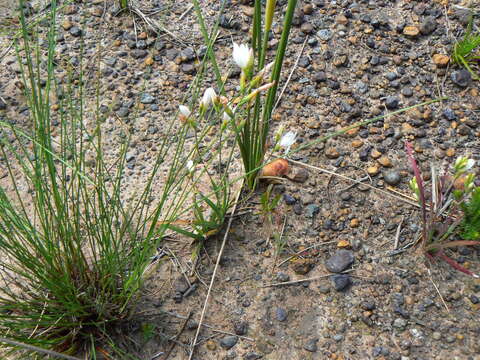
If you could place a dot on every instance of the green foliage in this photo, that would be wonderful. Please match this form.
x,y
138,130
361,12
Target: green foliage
x,y
470,226
442,206
466,52
123,4
268,203
73,249
252,135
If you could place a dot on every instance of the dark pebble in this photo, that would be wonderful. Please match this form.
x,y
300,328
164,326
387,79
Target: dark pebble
x,y
392,177
407,91
75,31
282,277
461,78
240,328
340,261
428,26
138,53
141,44
297,209
392,102
188,69
281,314
341,281
312,210
252,356
123,112
289,199
474,299
319,76
449,114
311,345
228,342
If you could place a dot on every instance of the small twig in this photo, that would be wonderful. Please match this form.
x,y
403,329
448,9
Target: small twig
x,y
438,291
302,280
38,349
205,305
167,354
350,179
397,234
353,185
300,252
185,12
291,73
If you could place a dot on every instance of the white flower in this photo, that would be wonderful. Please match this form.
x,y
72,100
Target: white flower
x,y
242,55
288,140
209,97
463,164
190,165
185,111
470,164
226,116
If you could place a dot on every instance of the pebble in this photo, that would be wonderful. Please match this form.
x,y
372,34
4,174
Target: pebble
x,y
436,335
302,266
354,223
75,31
385,161
3,104
281,314
289,199
308,9
311,210
373,170
461,78
375,154
340,261
411,31
188,69
138,53
240,328
311,345
440,60
147,98
392,102
299,175
67,25
228,342
450,152
211,345
331,153
306,28
400,323
449,114
392,177
252,356
324,34
341,281
428,26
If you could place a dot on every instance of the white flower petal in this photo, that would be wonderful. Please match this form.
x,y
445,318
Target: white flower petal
x,y
470,164
209,97
185,111
242,55
288,139
190,165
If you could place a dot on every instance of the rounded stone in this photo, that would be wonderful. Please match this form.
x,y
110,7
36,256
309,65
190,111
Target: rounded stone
x,y
392,177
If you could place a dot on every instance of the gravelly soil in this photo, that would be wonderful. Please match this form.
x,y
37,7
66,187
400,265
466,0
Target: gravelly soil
x,y
359,59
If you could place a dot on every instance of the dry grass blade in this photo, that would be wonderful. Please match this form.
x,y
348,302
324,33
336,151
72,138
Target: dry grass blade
x,y
352,180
